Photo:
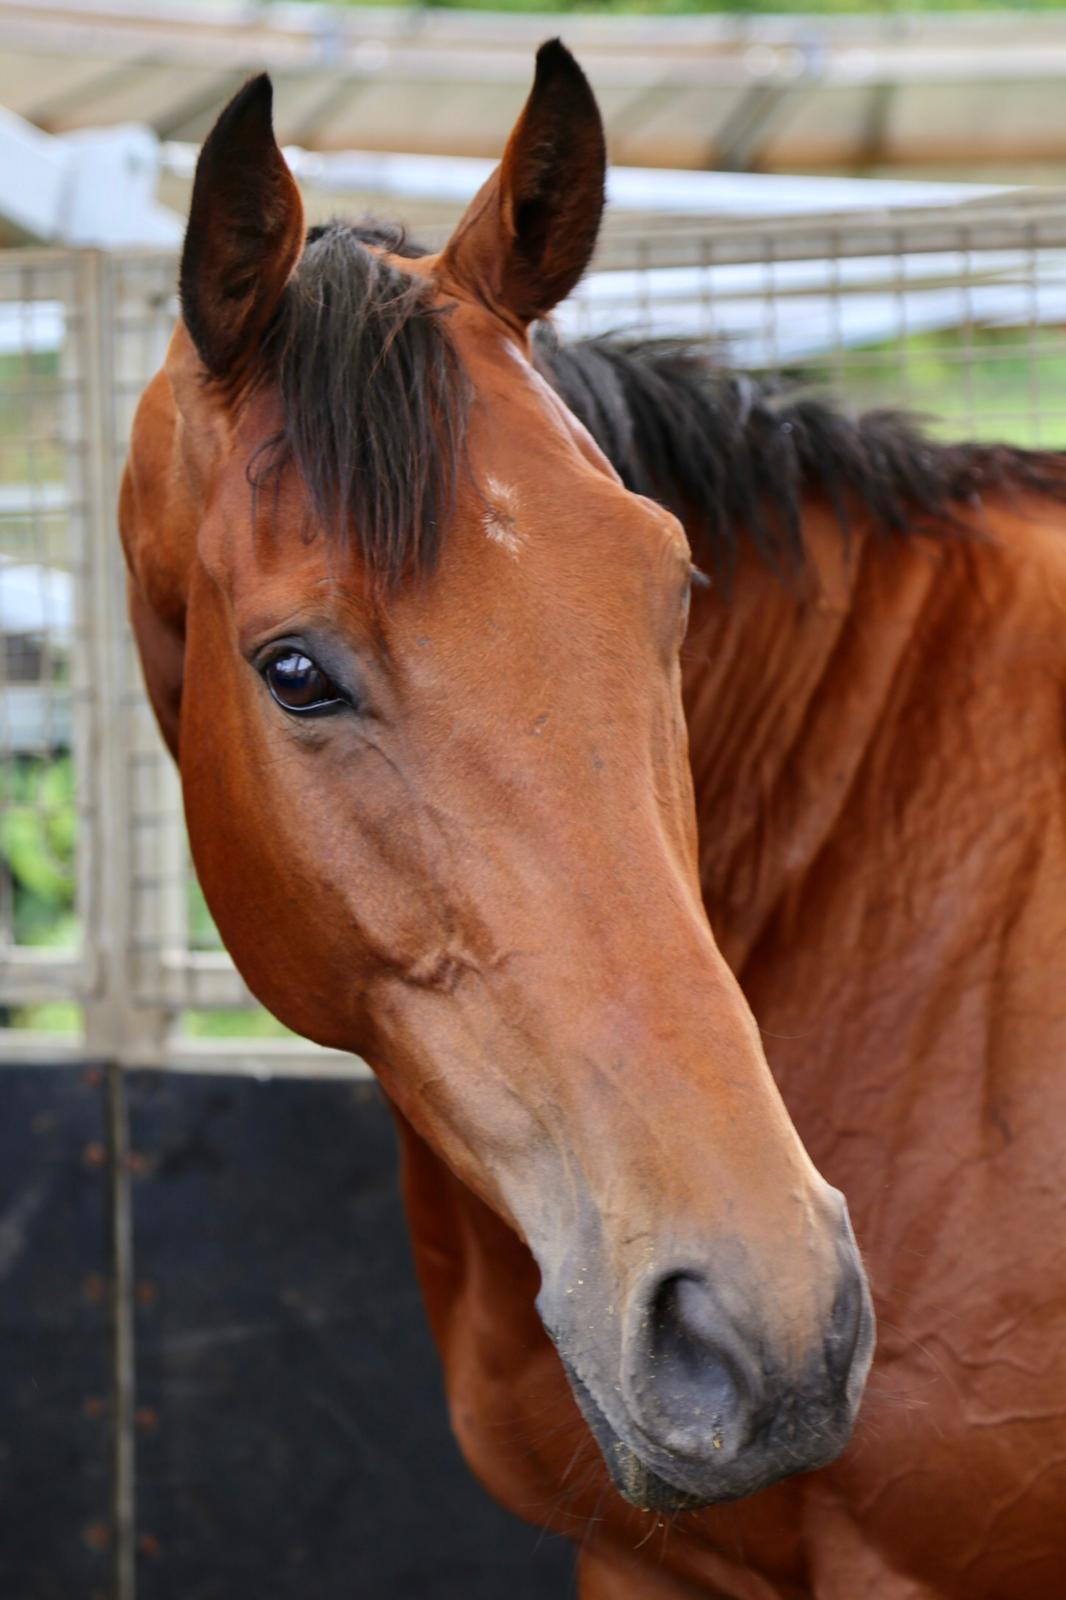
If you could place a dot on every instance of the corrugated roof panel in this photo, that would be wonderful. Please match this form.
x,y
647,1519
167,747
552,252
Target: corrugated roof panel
x,y
163,96
816,127
304,102
663,126
462,118
782,93
37,85
935,124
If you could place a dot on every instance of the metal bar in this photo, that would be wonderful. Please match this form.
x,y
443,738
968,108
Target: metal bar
x,y
116,1028
241,1058
123,1348
264,1058
993,222
875,125
29,976
26,1047
736,145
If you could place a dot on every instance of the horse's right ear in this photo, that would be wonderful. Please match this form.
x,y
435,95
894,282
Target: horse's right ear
x,y
245,234
529,233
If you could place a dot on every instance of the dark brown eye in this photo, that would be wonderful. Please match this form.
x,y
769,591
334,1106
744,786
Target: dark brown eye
x,y
299,684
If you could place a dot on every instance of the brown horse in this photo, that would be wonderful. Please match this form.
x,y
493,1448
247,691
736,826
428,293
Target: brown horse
x,y
415,634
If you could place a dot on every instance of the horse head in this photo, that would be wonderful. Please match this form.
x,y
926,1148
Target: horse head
x,y
416,650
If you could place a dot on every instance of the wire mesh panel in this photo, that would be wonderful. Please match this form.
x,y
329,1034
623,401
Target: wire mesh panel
x,y
45,807
168,924
955,312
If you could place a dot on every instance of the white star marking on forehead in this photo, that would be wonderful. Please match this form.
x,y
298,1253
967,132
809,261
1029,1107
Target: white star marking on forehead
x,y
499,518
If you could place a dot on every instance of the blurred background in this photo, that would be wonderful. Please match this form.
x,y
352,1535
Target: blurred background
x,y
870,198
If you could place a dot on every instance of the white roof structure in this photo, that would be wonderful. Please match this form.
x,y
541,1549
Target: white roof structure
x,y
94,187
403,112
931,94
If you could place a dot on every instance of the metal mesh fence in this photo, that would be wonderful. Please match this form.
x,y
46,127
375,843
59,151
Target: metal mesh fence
x,y
954,312
958,313
45,810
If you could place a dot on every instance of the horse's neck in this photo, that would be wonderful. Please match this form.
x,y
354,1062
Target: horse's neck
x,y
790,690
879,779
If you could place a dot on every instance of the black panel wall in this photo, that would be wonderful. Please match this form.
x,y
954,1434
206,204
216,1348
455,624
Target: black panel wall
x,y
291,1437
55,1501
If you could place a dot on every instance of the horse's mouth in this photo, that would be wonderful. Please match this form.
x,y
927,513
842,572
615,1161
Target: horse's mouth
x,y
642,1486
708,1479
634,1479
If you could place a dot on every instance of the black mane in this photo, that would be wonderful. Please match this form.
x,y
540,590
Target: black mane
x,y
736,457
375,404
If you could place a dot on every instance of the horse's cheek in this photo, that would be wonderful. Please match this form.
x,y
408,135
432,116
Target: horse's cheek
x,y
254,887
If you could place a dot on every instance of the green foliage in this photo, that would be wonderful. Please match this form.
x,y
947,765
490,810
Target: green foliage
x,y
38,826
258,1024
998,384
203,935
31,449
54,1016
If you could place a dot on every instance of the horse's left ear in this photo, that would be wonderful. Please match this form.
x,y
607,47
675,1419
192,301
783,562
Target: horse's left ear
x,y
529,233
245,234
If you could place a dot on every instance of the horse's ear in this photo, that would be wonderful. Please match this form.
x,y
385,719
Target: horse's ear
x,y
245,234
529,234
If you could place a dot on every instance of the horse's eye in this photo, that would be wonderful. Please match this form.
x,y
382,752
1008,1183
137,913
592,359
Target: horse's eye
x,y
299,684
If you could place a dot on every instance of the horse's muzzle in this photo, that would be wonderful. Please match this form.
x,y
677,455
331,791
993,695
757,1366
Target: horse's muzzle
x,y
705,1411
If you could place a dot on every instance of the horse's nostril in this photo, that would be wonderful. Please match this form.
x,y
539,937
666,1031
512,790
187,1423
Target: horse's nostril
x,y
698,1385
847,1320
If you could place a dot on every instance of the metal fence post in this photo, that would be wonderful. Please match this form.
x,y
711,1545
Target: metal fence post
x,y
116,1029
